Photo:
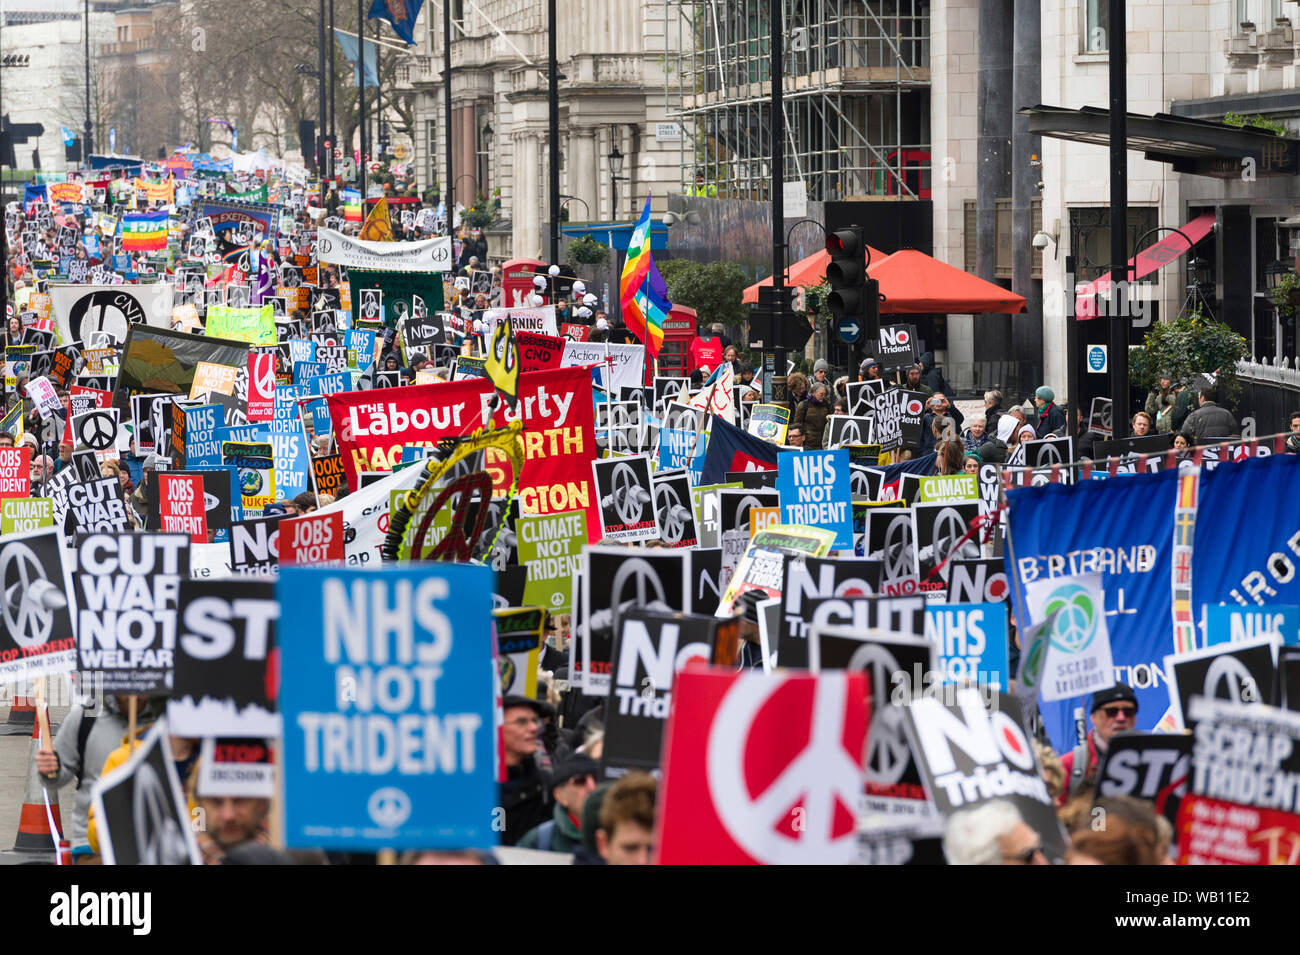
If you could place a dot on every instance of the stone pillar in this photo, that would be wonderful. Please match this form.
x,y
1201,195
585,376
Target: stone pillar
x,y
528,170
993,182
579,173
1027,90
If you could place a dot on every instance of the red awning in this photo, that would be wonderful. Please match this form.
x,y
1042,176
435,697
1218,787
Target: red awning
x,y
1145,262
805,273
914,283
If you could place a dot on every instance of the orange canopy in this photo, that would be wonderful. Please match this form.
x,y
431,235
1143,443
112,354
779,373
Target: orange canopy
x,y
917,284
804,273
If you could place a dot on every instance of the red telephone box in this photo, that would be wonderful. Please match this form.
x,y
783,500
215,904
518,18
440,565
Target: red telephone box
x,y
680,329
517,281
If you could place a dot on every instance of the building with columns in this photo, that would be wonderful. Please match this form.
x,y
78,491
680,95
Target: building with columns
x,y
612,95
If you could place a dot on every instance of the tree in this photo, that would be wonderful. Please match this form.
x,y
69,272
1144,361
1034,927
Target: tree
x,y
1190,346
714,290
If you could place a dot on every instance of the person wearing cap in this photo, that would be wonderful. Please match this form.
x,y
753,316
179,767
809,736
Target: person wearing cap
x,y
869,370
1051,419
419,361
572,781
1114,710
524,796
1160,403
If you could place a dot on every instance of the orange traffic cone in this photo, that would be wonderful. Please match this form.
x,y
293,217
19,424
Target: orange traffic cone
x,y
22,714
33,822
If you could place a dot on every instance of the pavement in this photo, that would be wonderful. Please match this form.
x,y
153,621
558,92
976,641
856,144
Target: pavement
x,y
15,766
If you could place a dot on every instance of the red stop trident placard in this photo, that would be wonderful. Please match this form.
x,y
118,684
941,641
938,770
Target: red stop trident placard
x,y
16,472
314,539
762,769
182,506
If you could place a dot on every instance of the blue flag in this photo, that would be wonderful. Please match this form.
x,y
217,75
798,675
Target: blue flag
x,y
349,45
400,15
731,449
1122,530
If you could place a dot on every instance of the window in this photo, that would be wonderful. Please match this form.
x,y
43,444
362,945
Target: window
x,y
1090,238
1097,25
1002,268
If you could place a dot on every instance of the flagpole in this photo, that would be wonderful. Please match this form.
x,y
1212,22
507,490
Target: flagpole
x,y
361,99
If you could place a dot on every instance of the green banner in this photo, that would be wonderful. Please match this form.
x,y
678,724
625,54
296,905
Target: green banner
x,y
254,324
404,293
253,195
949,488
19,514
550,547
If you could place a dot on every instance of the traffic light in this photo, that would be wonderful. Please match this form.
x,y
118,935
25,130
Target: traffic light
x,y
846,273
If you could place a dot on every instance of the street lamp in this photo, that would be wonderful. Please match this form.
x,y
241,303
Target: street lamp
x,y
615,167
567,199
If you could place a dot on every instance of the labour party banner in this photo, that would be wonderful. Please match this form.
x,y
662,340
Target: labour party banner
x,y
388,707
814,489
1115,528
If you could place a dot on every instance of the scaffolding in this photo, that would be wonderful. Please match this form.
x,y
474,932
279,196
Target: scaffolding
x,y
856,96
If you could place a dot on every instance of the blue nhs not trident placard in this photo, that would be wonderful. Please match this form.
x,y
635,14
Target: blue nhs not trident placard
x,y
814,490
387,700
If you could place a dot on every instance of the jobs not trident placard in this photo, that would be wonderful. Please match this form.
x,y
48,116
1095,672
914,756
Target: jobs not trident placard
x,y
388,707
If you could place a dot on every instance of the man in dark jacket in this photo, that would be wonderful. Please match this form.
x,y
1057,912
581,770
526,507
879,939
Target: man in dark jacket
x,y
1209,420
1114,710
1051,419
932,377
525,795
571,784
1184,404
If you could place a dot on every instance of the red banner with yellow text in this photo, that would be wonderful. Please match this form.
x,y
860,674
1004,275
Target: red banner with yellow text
x,y
372,427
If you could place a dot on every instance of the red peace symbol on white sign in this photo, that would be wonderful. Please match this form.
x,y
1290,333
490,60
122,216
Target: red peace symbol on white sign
x,y
824,778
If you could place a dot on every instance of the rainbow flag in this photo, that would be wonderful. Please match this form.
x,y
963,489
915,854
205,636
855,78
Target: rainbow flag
x,y
144,231
642,291
352,205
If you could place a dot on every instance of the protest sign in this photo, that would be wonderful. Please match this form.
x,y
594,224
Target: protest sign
x,y
1233,624
769,422
255,546
896,347
328,474
261,386
225,653
649,650
81,310
140,809
427,255
1154,766
887,413
672,504
889,539
614,580
969,756
126,588
735,505
293,472
759,569
519,635
314,539
18,515
810,577
539,320
242,768
941,533
790,805
972,642
37,635
976,581
255,464
410,641
253,324
626,504
15,472
814,490
897,617
949,488
1243,807
628,361
1078,651
1242,672
550,549
181,507
843,430
97,506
